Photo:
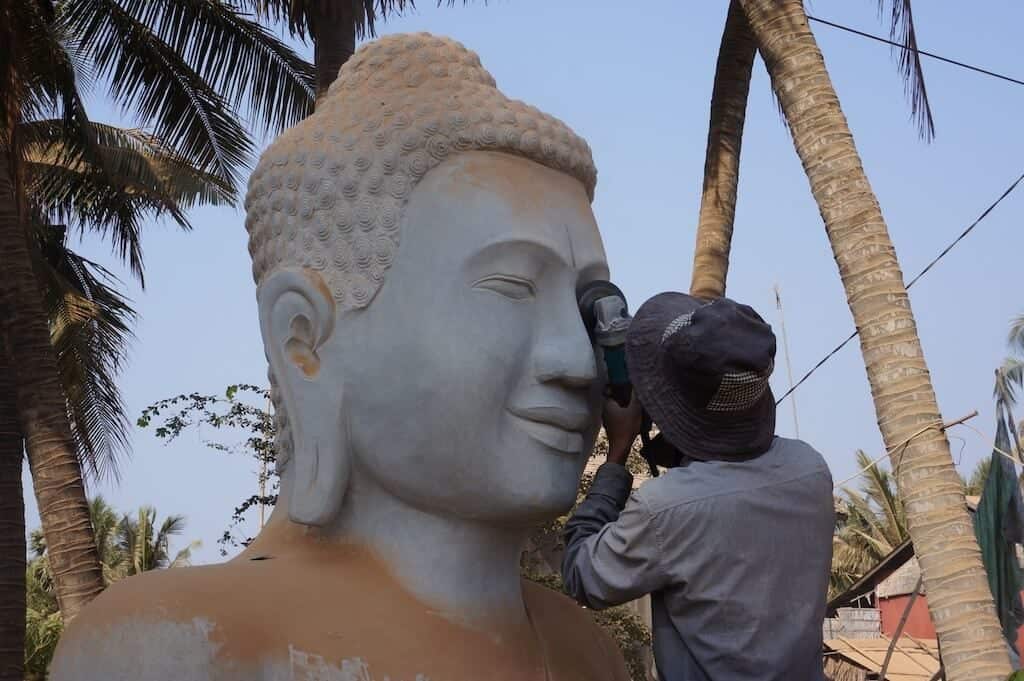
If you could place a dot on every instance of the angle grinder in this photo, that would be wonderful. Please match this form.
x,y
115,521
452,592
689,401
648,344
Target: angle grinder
x,y
606,316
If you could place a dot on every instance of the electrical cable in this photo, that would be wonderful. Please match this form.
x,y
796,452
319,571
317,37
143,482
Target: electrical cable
x,y
947,60
913,281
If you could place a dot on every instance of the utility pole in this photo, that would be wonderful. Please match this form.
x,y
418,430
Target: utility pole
x,y
789,366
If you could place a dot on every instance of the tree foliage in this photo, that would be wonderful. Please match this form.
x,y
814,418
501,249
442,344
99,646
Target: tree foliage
x,y
128,544
870,524
242,412
541,563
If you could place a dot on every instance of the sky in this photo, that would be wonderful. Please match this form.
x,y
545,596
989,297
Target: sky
x,y
637,86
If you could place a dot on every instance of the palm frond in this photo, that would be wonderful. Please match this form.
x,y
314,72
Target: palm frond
x,y
90,330
42,632
1016,336
114,182
235,55
901,30
157,84
874,524
184,557
302,16
976,483
879,487
45,73
104,522
1009,380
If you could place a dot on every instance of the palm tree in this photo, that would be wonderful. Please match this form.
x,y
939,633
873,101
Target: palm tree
x,y
333,25
728,110
145,548
188,71
12,528
722,160
974,485
908,415
873,525
118,541
1010,380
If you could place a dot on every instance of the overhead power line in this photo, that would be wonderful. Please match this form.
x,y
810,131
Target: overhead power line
x,y
954,62
913,281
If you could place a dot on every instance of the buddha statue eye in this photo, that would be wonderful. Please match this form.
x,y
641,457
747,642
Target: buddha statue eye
x,y
509,286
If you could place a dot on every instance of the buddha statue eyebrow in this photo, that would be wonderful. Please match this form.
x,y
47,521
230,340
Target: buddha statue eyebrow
x,y
517,246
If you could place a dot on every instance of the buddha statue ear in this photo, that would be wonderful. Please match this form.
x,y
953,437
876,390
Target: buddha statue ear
x,y
297,315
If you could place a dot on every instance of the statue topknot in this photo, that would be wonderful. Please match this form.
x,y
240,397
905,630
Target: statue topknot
x,y
328,194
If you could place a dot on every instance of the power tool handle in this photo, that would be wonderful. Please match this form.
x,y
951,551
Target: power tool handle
x,y
618,375
645,439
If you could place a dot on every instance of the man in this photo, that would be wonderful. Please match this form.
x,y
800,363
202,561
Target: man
x,y
734,541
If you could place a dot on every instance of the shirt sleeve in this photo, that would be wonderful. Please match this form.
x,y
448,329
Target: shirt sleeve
x,y
612,550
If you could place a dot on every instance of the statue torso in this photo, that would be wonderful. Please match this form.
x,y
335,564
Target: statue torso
x,y
342,619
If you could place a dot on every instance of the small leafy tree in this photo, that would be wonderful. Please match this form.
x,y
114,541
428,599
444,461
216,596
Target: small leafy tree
x,y
543,556
242,411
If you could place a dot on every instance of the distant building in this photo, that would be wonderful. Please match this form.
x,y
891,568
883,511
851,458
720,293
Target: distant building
x,y
869,612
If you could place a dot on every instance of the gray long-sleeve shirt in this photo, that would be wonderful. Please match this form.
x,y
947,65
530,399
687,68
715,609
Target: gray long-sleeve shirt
x,y
735,556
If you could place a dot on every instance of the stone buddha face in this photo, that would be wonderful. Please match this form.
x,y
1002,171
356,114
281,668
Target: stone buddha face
x,y
418,243
469,386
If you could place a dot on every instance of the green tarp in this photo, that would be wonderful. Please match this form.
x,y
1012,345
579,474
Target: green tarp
x,y
999,526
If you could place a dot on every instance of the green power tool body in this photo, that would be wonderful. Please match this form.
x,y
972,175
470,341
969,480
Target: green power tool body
x,y
606,316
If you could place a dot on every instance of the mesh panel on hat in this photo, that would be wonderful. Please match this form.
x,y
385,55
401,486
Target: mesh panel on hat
x,y
739,391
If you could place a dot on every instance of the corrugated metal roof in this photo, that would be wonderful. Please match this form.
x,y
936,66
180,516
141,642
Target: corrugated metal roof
x,y
912,660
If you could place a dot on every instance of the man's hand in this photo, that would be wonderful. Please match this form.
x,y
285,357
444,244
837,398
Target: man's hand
x,y
622,425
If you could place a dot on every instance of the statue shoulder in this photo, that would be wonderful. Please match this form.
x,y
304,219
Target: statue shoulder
x,y
143,628
571,630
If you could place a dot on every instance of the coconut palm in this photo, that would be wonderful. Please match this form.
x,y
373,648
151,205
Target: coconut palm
x,y
1009,381
89,332
974,485
722,159
187,71
873,524
118,541
908,414
333,26
725,132
146,547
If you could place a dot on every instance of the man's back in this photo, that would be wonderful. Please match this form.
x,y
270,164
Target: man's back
x,y
747,547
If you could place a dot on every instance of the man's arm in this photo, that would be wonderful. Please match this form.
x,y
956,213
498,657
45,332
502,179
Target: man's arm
x,y
612,551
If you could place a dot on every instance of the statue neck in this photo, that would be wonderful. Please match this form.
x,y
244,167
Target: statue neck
x,y
468,571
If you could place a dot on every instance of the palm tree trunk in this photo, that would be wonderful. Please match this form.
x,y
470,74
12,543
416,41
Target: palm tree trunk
x,y
334,41
722,160
958,594
12,530
42,414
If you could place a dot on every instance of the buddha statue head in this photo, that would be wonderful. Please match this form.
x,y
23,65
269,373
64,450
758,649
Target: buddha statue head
x,y
417,244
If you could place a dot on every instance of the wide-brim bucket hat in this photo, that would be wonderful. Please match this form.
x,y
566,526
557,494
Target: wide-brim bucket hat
x,y
701,370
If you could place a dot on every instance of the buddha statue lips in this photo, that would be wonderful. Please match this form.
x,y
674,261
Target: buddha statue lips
x,y
417,245
560,428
